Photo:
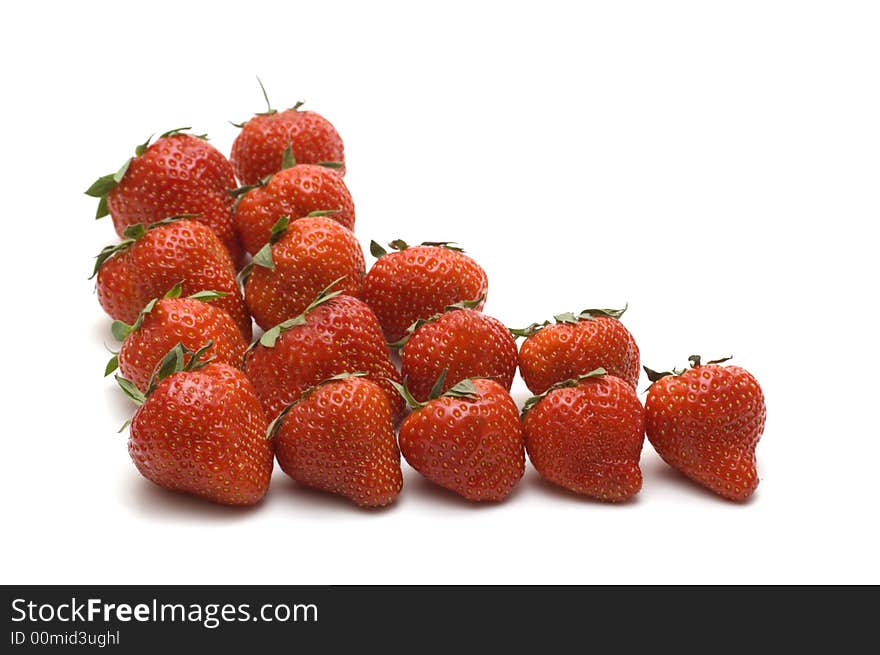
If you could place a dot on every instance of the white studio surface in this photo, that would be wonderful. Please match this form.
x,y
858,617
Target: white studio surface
x,y
713,164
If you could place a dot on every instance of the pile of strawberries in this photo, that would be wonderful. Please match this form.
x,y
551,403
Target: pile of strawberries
x,y
210,245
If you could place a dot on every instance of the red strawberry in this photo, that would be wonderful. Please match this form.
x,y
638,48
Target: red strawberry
x,y
178,174
153,259
586,435
577,344
170,320
201,431
706,422
307,255
257,151
295,191
468,440
339,437
335,334
462,342
416,283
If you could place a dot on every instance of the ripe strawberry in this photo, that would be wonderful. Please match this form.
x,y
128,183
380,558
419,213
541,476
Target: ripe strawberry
x,y
462,342
706,422
335,334
178,174
468,440
339,437
586,434
577,344
417,282
257,151
170,320
297,190
153,259
307,255
201,430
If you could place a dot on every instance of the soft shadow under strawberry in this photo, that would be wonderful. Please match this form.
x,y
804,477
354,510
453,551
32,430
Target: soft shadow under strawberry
x,y
301,498
416,486
533,482
658,472
153,501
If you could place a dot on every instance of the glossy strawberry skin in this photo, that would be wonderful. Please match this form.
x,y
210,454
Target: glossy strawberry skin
x,y
310,256
706,423
340,336
203,432
183,251
294,192
179,320
588,438
259,148
419,282
562,351
178,174
340,438
472,447
463,342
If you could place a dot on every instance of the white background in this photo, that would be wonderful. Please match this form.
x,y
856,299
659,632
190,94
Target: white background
x,y
714,164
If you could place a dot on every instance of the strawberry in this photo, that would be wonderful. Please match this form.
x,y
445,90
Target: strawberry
x,y
302,258
339,437
706,422
334,334
577,344
417,282
152,259
295,191
586,434
170,320
200,430
178,174
257,151
468,440
462,342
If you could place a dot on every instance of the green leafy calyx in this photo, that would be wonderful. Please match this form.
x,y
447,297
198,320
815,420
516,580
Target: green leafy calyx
x,y
112,365
104,185
653,375
287,158
178,359
180,130
264,255
240,191
437,389
449,245
464,389
101,187
207,295
129,389
403,390
571,382
589,314
269,111
121,330
276,423
132,233
400,244
529,330
271,336
415,325
695,361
